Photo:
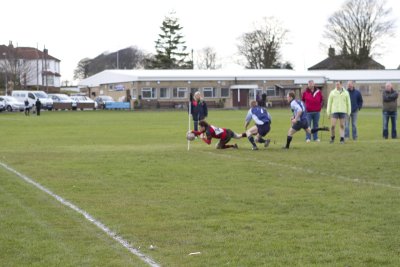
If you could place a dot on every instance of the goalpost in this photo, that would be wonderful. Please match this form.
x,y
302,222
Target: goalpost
x,y
190,111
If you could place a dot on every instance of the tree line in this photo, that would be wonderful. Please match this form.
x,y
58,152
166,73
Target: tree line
x,y
356,31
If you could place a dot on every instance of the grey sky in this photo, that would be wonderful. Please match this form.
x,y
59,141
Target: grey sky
x,y
72,30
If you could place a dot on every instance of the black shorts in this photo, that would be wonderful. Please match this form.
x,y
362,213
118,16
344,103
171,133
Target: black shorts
x,y
339,115
303,124
229,135
263,129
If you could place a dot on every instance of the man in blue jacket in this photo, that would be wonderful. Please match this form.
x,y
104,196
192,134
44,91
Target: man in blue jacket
x,y
356,105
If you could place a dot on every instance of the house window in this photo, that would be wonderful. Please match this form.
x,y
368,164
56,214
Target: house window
x,y
270,91
179,92
148,93
209,92
365,90
224,92
164,92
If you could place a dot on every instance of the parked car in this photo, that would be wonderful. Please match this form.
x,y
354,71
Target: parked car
x,y
12,103
32,96
2,105
62,101
84,102
102,100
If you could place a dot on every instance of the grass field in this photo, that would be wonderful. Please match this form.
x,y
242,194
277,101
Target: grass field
x,y
317,204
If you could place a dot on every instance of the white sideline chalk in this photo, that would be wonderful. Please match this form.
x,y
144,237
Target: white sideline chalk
x,y
88,217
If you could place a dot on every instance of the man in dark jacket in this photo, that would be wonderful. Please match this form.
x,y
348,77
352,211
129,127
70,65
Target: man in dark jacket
x,y
389,110
198,109
38,105
356,105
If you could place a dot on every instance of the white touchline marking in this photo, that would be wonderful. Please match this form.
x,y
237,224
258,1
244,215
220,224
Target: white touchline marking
x,y
340,177
88,217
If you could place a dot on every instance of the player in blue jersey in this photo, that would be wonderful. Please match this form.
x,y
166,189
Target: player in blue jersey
x,y
262,120
299,119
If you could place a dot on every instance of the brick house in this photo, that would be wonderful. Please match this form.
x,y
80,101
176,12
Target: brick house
x,y
28,68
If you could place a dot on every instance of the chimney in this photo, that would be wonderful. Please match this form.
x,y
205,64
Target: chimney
x,y
10,44
331,51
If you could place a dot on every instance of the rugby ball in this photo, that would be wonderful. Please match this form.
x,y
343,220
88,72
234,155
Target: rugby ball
x,y
190,136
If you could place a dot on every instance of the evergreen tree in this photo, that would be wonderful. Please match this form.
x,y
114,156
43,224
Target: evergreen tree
x,y
170,47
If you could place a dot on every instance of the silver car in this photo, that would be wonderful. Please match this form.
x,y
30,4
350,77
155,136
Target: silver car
x,y
2,105
11,103
84,102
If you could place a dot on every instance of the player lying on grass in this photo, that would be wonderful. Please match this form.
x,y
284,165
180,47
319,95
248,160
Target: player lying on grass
x,y
262,119
208,132
299,119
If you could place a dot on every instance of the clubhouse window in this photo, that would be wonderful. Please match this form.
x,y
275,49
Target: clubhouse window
x,y
224,92
179,92
164,92
209,92
365,89
270,91
148,93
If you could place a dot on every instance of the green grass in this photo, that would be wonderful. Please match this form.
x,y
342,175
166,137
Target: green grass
x,y
318,204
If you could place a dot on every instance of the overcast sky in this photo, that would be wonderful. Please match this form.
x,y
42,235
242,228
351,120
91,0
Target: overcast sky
x,y
72,30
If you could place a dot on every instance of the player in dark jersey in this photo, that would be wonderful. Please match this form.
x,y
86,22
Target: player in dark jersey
x,y
262,119
299,119
209,132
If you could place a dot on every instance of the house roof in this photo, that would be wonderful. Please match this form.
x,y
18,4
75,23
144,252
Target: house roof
x,y
120,76
28,53
370,76
339,62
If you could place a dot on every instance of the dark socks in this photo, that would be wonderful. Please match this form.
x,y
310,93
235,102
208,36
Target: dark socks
x,y
251,139
319,129
288,140
261,140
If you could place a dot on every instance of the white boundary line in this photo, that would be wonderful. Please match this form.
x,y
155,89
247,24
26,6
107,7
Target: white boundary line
x,y
88,217
296,168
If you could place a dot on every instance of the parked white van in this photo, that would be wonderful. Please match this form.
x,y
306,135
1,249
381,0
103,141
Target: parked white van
x,y
32,96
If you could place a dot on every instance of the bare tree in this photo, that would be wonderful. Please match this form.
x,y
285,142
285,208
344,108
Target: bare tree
x,y
207,59
19,71
82,70
358,28
261,46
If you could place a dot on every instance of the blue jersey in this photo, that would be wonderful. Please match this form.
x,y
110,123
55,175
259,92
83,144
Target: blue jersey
x,y
297,106
259,114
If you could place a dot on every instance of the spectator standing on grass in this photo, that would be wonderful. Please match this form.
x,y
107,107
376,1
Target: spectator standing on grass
x,y
299,119
198,109
356,105
38,105
314,101
262,119
263,101
207,132
389,110
27,108
339,106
